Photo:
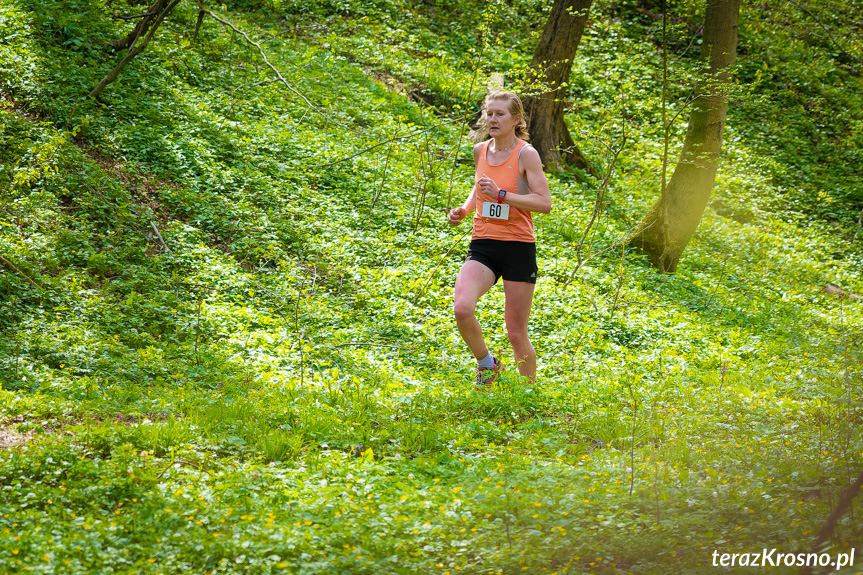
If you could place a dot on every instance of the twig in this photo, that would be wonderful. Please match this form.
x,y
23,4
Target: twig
x,y
600,198
135,17
651,305
372,344
234,91
422,188
181,462
381,143
621,239
461,132
721,276
139,29
11,267
202,286
434,271
159,235
666,128
170,465
428,163
698,32
619,281
380,187
691,97
859,225
198,329
302,332
508,513
263,55
826,31
634,428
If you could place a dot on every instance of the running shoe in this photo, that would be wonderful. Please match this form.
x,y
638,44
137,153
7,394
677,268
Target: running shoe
x,y
485,376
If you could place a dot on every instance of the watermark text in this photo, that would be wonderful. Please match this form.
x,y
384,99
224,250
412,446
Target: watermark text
x,y
774,558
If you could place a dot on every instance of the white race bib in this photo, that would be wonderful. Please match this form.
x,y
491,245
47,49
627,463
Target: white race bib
x,y
494,211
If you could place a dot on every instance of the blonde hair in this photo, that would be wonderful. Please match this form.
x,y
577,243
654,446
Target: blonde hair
x,y
516,108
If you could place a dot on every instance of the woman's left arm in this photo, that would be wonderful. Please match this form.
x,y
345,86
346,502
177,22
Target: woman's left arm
x,y
539,198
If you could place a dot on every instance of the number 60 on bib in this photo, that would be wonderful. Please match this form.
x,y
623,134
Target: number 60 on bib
x,y
495,211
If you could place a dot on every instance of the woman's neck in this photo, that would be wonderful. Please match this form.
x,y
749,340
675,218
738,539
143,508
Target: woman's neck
x,y
505,143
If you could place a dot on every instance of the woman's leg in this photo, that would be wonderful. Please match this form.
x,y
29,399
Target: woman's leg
x,y
519,299
473,281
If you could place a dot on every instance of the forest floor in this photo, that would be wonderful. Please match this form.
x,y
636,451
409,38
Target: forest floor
x,y
228,347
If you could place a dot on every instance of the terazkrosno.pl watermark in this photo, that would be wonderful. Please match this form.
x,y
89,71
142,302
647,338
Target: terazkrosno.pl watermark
x,y
774,558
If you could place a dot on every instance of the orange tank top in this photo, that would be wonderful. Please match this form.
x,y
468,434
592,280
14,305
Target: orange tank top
x,y
519,227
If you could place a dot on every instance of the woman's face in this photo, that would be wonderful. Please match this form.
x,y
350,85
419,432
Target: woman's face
x,y
500,121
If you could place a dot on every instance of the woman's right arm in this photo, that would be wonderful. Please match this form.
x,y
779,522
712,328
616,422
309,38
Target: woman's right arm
x,y
456,215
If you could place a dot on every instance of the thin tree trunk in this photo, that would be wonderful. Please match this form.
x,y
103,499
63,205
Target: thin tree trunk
x,y
670,223
161,8
141,27
552,63
846,501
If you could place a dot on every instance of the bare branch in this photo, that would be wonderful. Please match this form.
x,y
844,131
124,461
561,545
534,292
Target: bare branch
x,y
437,267
600,196
263,55
461,132
138,30
11,267
261,83
859,225
198,25
176,462
159,235
628,303
597,208
379,144
622,239
135,17
698,32
141,28
826,31
372,344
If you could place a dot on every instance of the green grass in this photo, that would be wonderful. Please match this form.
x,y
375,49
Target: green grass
x,y
282,389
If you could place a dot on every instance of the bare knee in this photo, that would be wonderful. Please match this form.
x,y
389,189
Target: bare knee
x,y
463,311
518,339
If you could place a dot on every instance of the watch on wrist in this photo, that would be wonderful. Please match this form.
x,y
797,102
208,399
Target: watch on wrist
x,y
501,194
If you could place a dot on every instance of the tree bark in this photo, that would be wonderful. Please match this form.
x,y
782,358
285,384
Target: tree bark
x,y
552,64
669,225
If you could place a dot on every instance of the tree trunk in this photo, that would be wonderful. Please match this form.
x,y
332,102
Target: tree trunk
x,y
668,226
140,28
552,64
149,24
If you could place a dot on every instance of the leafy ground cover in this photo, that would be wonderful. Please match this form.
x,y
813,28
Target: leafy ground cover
x,y
237,353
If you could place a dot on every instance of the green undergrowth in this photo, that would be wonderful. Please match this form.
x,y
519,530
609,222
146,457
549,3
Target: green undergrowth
x,y
228,347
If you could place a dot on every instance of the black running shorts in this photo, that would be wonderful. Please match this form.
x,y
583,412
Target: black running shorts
x,y
514,261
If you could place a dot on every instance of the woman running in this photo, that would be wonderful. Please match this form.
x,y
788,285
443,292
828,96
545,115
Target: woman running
x,y
509,186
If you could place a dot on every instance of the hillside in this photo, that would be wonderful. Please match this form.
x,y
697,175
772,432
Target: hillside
x,y
227,337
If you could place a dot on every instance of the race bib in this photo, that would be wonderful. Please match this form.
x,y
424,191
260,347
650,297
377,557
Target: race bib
x,y
493,211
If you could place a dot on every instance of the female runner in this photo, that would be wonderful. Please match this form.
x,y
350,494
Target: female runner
x,y
509,186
